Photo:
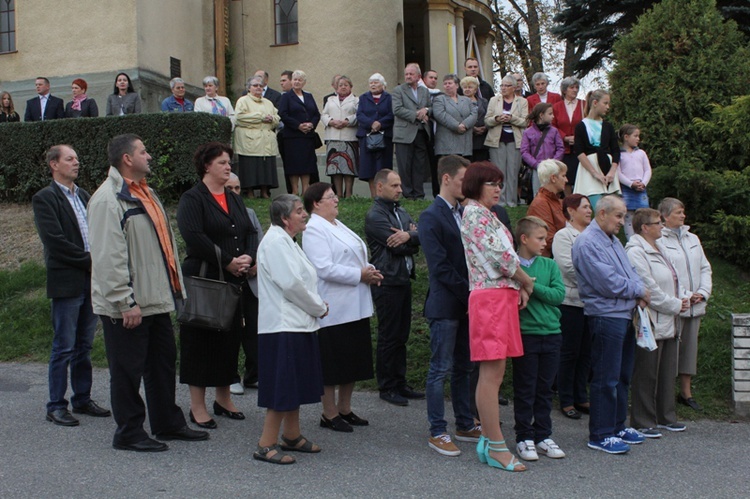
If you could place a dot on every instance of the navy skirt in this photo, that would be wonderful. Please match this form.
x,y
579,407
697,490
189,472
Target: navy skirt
x,y
289,372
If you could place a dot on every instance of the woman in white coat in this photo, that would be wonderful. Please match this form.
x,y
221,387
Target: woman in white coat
x,y
344,278
652,397
694,271
342,147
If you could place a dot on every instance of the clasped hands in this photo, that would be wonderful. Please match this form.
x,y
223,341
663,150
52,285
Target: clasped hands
x,y
306,127
240,265
371,275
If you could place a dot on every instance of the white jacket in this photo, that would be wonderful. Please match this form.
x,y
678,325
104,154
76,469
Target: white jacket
x,y
691,264
287,297
658,275
340,110
338,255
562,246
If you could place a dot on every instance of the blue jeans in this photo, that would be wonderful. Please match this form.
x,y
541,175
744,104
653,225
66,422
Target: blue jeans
x,y
73,323
449,342
612,354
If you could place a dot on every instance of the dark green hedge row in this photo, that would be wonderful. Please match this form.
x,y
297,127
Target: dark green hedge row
x,y
171,140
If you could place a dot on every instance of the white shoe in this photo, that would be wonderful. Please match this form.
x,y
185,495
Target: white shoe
x,y
527,450
549,448
236,388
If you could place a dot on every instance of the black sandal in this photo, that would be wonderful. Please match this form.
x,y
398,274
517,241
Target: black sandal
x,y
261,454
294,445
571,413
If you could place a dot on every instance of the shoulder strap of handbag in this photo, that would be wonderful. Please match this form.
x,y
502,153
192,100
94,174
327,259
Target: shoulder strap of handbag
x,y
541,140
204,265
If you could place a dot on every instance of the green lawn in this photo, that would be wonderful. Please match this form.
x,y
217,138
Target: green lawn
x,y
25,333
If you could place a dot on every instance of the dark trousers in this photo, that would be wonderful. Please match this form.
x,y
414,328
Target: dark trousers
x,y
249,338
575,357
411,160
652,389
393,306
533,374
147,352
432,161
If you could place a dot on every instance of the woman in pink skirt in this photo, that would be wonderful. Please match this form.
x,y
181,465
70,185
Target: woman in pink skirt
x,y
499,287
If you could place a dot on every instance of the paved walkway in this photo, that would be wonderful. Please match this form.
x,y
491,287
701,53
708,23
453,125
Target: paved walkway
x,y
390,458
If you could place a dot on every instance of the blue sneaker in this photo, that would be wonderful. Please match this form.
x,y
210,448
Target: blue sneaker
x,y
631,436
610,445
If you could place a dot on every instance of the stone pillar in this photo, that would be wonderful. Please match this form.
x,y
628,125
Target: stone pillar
x,y
485,43
460,40
741,363
439,16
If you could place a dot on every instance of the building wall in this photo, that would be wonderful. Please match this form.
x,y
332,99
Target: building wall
x,y
334,38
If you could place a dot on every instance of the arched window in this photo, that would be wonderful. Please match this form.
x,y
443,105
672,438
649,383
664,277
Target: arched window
x,y
286,21
8,25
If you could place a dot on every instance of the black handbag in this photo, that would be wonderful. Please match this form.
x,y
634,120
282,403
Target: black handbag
x,y
375,141
318,142
210,304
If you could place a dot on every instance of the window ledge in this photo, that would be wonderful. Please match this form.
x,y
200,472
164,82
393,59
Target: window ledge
x,y
284,44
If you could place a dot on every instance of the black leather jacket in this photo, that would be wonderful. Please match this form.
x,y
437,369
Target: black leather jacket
x,y
391,262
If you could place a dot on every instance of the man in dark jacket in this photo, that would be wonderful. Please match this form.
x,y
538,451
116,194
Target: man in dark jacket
x,y
393,241
60,217
44,106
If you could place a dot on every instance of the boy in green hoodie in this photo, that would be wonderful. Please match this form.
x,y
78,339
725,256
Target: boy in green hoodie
x,y
534,373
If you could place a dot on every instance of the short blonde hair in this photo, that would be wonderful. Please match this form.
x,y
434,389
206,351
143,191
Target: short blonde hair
x,y
549,167
527,225
467,81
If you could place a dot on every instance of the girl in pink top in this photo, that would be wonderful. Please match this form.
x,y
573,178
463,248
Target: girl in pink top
x,y
634,173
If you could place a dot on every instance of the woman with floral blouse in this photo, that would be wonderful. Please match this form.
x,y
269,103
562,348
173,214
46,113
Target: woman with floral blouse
x,y
498,288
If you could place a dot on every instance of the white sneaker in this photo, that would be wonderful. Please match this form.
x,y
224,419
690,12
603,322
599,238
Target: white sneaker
x,y
527,450
550,449
236,388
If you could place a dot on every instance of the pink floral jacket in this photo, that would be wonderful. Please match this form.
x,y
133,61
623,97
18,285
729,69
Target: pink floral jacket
x,y
490,256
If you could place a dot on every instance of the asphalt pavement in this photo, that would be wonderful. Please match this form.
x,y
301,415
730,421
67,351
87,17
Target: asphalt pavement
x,y
390,458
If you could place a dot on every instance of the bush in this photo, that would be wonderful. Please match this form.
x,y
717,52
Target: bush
x,y
679,60
725,133
171,139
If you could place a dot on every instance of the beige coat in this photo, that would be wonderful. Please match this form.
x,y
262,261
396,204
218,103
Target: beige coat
x,y
518,112
253,136
337,110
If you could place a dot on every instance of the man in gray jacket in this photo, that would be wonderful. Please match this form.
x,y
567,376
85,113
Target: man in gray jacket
x,y
411,131
135,281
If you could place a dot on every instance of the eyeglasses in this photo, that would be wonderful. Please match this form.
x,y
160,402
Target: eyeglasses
x,y
655,223
332,196
256,85
494,184
506,85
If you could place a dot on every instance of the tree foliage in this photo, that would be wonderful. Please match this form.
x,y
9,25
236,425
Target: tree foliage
x,y
677,62
593,26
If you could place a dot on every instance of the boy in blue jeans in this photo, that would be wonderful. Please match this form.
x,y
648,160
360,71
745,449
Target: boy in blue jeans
x,y
534,373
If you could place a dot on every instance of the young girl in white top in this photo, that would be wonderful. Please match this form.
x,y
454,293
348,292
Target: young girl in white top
x,y
634,173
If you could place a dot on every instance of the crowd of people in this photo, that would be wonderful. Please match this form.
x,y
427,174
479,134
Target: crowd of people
x,y
557,295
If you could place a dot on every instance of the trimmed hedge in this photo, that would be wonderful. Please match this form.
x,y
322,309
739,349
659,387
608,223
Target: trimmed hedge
x,y
170,138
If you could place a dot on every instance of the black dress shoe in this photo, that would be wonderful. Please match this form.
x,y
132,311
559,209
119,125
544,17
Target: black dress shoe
x,y
393,397
353,419
690,402
92,409
221,411
571,413
148,445
209,425
62,417
409,393
335,424
583,409
502,400
183,433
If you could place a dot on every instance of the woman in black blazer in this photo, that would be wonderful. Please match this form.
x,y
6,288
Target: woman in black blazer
x,y
300,115
81,106
209,216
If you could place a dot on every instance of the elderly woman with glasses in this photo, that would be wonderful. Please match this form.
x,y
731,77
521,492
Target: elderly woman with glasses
x,y
375,115
652,395
470,88
454,116
212,102
506,119
498,285
255,140
288,353
344,279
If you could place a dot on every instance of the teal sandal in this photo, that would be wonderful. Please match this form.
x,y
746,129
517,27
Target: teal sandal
x,y
513,465
261,454
481,449
294,445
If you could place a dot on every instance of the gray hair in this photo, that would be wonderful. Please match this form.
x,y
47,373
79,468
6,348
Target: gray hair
x,y
298,73
452,76
569,82
668,205
415,66
211,80
539,76
377,77
609,202
545,169
250,80
282,207
509,79
175,81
